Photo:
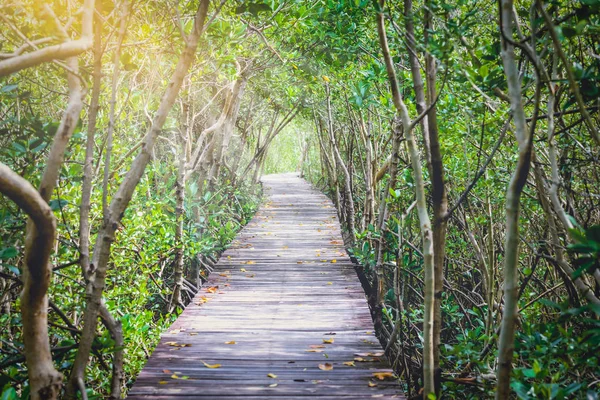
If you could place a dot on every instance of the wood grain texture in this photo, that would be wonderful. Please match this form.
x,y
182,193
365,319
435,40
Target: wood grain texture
x,y
282,291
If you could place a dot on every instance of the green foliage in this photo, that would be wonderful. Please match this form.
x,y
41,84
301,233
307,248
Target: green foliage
x,y
554,350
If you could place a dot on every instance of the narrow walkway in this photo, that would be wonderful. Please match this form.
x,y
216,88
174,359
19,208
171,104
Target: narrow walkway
x,y
283,315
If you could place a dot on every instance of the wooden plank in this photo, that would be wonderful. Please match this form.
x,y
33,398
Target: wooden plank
x,y
282,300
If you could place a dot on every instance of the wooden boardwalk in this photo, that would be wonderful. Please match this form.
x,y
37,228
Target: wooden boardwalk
x,y
283,316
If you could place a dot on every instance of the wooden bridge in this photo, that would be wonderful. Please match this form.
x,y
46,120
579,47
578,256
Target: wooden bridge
x,y
283,316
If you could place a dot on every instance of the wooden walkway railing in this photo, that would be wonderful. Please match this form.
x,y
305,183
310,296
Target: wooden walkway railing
x,y
283,316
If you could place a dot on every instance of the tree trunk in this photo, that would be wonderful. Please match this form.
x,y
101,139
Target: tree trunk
x,y
424,221
44,380
121,200
349,206
513,196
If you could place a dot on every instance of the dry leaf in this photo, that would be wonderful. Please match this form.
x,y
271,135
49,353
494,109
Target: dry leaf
x,y
330,283
250,262
273,376
243,269
328,341
273,385
175,344
314,351
372,384
212,289
166,371
175,331
378,354
333,261
163,382
326,367
317,346
230,342
213,366
383,375
349,363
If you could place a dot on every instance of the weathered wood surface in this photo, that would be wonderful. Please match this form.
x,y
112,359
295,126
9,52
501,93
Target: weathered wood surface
x,y
281,291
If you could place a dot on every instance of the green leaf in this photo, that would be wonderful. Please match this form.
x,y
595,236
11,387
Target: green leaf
x,y
14,270
8,252
9,88
57,204
577,235
9,394
19,147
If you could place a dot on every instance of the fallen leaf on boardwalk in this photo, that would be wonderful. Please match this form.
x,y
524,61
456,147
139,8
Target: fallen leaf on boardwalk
x,y
273,385
212,289
243,269
163,382
212,366
175,344
330,283
230,342
383,375
372,384
317,346
224,275
349,363
377,396
167,371
323,260
333,261
285,247
369,354
193,333
369,332
298,262
326,367
250,276
202,300
175,331
273,376
314,351
250,262
229,257
328,341
360,359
